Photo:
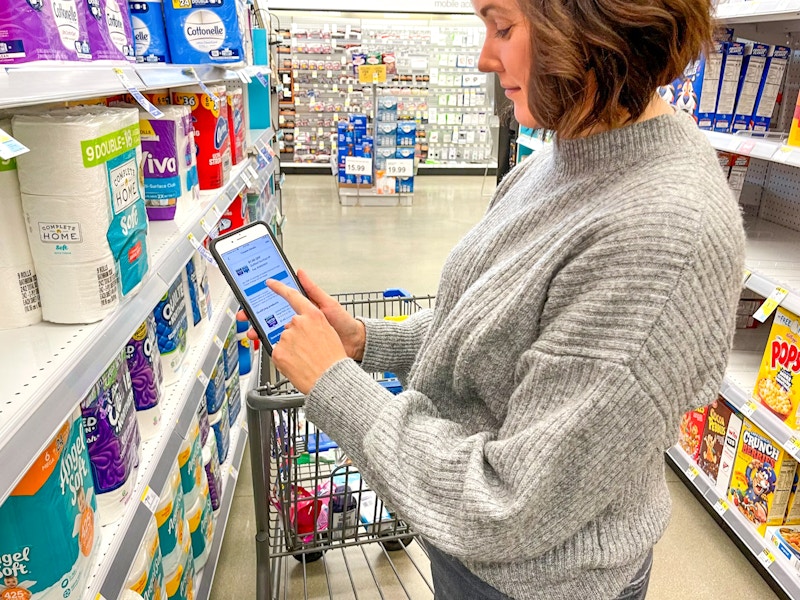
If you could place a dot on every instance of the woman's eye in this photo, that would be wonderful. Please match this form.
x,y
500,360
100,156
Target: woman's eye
x,y
502,33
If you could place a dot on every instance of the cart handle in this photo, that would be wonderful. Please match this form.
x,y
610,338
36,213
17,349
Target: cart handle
x,y
397,293
260,399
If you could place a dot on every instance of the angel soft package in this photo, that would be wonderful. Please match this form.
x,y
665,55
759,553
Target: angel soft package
x,y
48,529
84,208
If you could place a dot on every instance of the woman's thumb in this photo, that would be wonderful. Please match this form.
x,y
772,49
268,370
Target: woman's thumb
x,y
314,292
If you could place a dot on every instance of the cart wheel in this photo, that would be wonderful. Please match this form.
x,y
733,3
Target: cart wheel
x,y
308,557
398,544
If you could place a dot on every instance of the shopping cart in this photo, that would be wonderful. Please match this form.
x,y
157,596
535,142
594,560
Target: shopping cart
x,y
311,503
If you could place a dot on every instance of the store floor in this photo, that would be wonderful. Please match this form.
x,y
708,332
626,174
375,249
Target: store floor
x,y
361,249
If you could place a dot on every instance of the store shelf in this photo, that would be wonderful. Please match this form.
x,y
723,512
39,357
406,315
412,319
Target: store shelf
x,y
230,473
773,150
761,550
49,368
37,83
119,542
772,257
529,142
758,11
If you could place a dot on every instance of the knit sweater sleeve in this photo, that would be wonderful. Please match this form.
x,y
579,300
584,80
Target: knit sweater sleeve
x,y
393,345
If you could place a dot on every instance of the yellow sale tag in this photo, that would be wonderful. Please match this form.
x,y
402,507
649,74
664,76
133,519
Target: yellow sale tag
x,y
770,304
372,74
692,472
721,506
746,276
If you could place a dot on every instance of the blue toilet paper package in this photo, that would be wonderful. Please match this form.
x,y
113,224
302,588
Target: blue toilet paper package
x,y
171,329
149,31
203,31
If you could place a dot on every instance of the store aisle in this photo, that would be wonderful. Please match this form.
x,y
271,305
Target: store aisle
x,y
359,249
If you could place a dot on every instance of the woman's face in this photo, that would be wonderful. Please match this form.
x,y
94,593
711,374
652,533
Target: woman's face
x,y
507,51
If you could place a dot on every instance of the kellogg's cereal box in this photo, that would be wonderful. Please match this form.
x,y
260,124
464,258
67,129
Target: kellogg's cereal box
x,y
775,387
692,426
762,478
712,444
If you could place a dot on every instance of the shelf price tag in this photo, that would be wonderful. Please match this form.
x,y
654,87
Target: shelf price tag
x,y
206,90
400,167
261,79
150,499
9,147
246,179
217,212
252,172
209,229
133,91
218,342
770,304
766,557
234,473
793,445
746,276
748,408
229,312
202,377
692,472
357,166
746,147
721,506
201,249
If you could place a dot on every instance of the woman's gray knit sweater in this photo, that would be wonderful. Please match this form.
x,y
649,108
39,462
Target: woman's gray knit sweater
x,y
590,308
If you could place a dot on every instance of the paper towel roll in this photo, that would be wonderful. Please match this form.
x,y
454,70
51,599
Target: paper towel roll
x,y
144,364
82,293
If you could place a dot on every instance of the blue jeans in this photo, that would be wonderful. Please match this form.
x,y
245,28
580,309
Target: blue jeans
x,y
453,581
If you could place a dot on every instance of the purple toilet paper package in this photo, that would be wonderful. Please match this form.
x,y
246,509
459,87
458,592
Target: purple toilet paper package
x,y
109,420
110,31
144,365
32,30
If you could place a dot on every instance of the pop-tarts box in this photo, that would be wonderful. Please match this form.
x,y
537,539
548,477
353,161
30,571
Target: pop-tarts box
x,y
696,90
149,32
755,58
774,69
728,85
203,31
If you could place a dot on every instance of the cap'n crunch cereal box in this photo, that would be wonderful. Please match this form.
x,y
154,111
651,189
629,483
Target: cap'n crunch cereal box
x,y
692,425
775,387
762,478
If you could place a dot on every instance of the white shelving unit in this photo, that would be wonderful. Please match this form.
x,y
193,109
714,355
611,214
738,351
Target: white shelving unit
x,y
773,150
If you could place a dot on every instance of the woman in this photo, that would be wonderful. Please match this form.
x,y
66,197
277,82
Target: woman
x,y
590,308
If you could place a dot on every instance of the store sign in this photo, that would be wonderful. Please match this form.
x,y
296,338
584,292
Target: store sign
x,y
372,74
400,167
357,166
459,7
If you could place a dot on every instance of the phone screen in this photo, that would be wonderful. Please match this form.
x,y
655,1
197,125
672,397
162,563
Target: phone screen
x,y
251,265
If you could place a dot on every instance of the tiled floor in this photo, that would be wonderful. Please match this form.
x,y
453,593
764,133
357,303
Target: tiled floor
x,y
359,249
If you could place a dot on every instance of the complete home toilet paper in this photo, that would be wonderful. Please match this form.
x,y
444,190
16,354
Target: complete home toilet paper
x,y
171,330
149,31
144,364
48,529
43,30
109,25
112,437
19,297
173,532
91,156
146,576
200,31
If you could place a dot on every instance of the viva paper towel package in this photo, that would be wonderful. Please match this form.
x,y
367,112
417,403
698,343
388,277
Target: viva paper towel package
x,y
168,158
48,529
19,297
84,208
42,30
149,32
146,576
203,31
171,330
112,437
173,531
109,26
210,133
144,364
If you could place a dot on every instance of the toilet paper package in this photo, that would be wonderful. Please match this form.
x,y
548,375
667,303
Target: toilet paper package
x,y
234,394
92,157
215,390
190,460
144,364
199,311
20,303
230,353
213,471
245,353
180,583
146,576
204,289
112,438
32,30
149,32
210,133
50,558
170,170
80,293
171,330
173,532
202,418
201,527
221,426
235,113
203,31
109,25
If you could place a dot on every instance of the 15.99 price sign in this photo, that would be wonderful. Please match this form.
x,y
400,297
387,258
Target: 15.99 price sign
x,y
358,166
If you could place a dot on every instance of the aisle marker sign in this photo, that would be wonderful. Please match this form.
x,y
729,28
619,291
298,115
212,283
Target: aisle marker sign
x,y
133,91
766,557
721,506
150,499
357,166
692,472
770,304
9,147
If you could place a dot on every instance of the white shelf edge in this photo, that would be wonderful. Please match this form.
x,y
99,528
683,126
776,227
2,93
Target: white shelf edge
x,y
57,393
755,147
111,571
778,570
764,286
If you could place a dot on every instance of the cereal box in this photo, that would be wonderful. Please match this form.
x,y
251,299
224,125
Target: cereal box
x,y
793,509
775,387
762,478
728,455
692,425
787,541
712,442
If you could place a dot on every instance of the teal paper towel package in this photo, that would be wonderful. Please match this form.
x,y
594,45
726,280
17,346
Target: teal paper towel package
x,y
203,31
149,31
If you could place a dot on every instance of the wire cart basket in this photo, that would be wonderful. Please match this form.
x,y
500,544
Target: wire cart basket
x,y
315,515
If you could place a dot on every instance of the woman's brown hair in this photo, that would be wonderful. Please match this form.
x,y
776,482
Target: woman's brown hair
x,y
600,61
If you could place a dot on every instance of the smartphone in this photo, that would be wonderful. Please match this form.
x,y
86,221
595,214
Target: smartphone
x,y
248,257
